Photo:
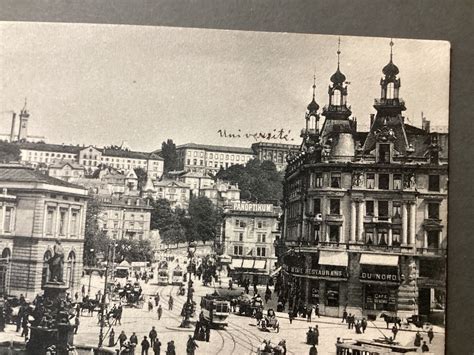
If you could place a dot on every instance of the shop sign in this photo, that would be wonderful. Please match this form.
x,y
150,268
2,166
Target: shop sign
x,y
336,273
252,207
380,298
380,276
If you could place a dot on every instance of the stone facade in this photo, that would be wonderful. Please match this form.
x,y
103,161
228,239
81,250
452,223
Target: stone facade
x,y
371,206
44,210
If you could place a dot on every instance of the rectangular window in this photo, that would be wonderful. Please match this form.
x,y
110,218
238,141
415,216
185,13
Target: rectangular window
x,y
334,234
336,180
384,153
316,206
332,294
382,237
369,236
433,183
49,221
7,226
433,210
370,180
433,239
259,224
382,209
369,208
397,181
241,237
318,180
384,180
261,251
396,237
74,219
261,238
334,206
396,210
238,250
237,223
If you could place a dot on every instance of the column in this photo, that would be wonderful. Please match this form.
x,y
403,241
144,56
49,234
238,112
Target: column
x,y
353,222
360,222
390,239
440,239
404,223
425,239
412,236
326,233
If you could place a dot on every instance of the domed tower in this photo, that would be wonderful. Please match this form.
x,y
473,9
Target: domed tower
x,y
310,133
387,135
337,131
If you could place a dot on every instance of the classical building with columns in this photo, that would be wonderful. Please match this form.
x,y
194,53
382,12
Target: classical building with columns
x,y
37,210
365,213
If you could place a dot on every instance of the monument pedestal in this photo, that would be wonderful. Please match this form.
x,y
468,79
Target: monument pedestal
x,y
57,331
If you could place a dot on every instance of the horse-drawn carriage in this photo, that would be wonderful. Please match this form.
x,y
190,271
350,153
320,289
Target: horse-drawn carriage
x,y
249,306
266,348
131,295
269,322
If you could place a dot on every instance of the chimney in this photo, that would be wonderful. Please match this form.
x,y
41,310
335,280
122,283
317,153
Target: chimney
x,y
12,132
425,124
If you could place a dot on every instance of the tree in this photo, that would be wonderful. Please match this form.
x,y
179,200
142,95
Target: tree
x,y
142,177
168,153
258,181
9,152
133,250
94,238
204,220
167,222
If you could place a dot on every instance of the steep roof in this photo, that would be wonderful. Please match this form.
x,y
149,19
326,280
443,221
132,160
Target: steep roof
x,y
19,173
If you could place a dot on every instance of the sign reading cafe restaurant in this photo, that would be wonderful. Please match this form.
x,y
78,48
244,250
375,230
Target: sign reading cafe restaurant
x,y
329,273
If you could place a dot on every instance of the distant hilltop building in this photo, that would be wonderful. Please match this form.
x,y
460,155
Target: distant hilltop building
x,y
91,157
20,133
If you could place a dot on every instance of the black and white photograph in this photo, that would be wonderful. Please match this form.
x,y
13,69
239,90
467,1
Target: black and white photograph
x,y
172,190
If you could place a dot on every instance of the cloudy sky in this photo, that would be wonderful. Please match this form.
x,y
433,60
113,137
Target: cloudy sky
x,y
102,84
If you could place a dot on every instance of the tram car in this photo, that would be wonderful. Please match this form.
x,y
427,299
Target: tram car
x,y
163,273
363,347
215,309
177,276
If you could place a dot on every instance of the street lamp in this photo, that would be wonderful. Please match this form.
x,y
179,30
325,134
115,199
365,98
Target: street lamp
x,y
90,271
189,304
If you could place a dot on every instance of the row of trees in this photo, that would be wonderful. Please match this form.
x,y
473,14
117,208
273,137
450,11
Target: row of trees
x,y
201,222
259,181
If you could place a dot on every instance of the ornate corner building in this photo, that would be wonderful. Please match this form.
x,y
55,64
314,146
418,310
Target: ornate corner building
x,y
365,213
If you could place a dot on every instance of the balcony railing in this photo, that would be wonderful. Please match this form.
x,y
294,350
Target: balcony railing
x,y
334,217
336,108
377,219
389,102
431,251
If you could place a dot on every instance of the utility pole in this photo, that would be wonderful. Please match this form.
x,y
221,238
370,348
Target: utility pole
x,y
104,297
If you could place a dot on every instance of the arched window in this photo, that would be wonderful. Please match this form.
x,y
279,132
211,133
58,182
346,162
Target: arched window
x,y
71,263
336,98
45,272
6,254
390,91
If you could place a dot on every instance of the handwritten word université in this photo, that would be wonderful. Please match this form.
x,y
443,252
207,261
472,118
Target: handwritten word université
x,y
281,134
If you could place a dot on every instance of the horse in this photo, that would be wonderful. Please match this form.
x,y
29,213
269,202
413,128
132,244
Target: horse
x,y
90,305
391,319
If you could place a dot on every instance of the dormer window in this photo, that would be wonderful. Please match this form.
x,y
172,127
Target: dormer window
x,y
384,153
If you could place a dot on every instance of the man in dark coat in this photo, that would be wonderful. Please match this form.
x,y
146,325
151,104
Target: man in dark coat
x,y
394,331
425,348
208,333
316,335
133,339
153,334
171,349
309,314
418,338
157,347
430,334
313,350
122,338
145,346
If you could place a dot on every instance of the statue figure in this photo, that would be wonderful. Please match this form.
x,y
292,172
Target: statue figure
x,y
357,179
56,263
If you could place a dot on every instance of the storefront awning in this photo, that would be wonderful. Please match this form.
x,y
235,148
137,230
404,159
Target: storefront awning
x,y
334,258
247,264
236,263
260,264
276,271
379,259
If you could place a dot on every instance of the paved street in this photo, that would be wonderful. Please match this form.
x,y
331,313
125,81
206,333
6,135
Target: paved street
x,y
240,337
